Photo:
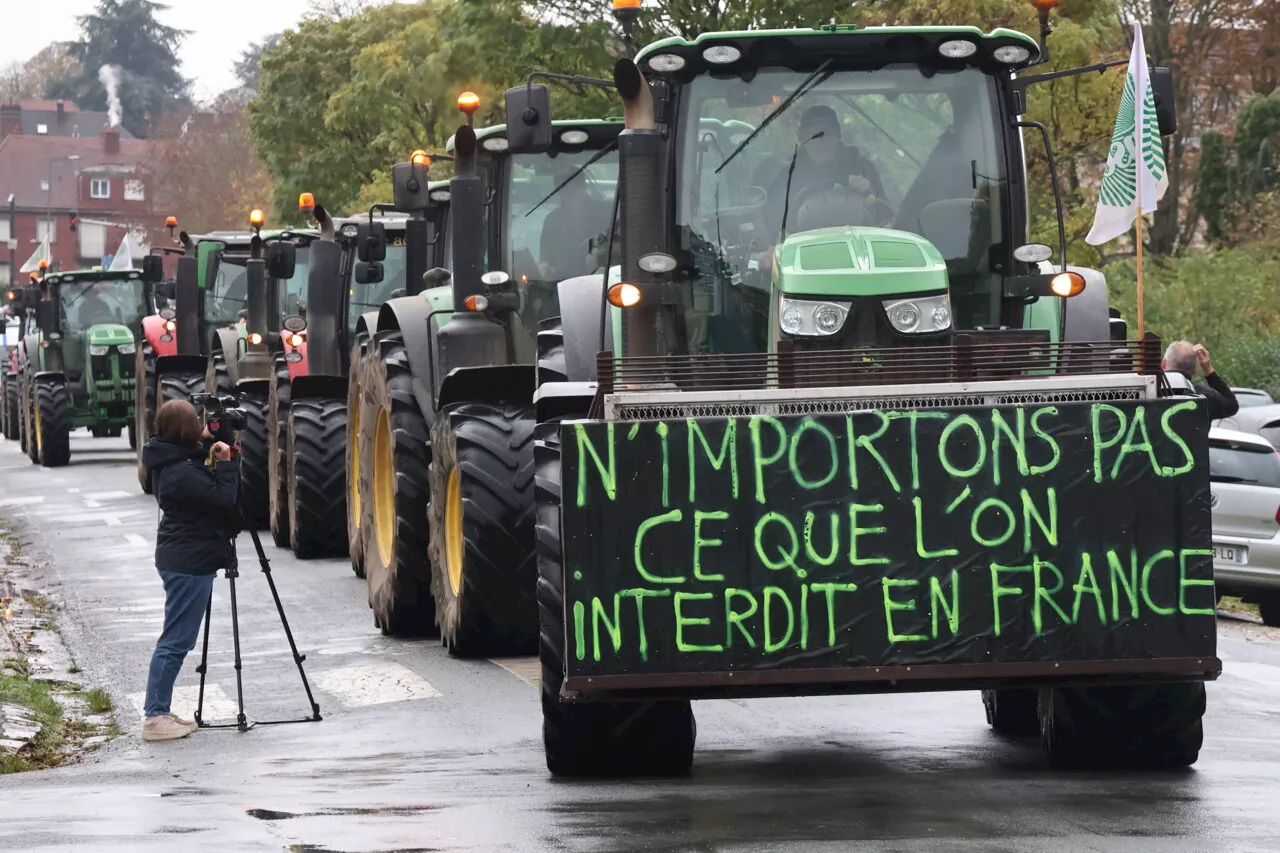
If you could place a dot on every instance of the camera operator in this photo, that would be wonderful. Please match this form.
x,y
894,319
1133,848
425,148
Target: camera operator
x,y
194,540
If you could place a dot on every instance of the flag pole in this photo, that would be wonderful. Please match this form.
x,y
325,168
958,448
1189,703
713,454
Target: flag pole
x,y
1142,326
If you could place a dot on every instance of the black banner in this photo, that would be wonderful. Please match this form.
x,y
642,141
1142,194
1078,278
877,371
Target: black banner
x,y
1014,534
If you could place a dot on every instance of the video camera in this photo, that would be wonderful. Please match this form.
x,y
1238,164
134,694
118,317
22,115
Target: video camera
x,y
221,415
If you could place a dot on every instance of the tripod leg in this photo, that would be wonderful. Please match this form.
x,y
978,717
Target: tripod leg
x,y
241,722
284,621
203,668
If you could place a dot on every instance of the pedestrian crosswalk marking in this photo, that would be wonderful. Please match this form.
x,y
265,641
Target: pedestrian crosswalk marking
x,y
528,670
376,684
218,707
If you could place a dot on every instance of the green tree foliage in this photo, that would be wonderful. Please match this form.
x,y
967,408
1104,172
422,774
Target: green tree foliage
x,y
1257,133
49,69
1214,191
126,35
248,68
688,18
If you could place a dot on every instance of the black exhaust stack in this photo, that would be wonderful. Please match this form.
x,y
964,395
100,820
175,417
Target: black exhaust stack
x,y
326,302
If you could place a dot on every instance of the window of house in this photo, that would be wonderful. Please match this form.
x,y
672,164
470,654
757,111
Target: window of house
x,y
46,227
100,188
93,241
44,186
134,191
42,129
4,230
4,273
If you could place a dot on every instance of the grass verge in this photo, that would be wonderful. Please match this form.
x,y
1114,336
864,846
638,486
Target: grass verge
x,y
35,696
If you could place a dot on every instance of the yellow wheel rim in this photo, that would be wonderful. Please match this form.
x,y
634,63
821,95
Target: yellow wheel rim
x,y
453,531
38,431
354,497
384,495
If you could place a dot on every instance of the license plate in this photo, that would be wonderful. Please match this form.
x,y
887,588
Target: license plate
x,y
1238,554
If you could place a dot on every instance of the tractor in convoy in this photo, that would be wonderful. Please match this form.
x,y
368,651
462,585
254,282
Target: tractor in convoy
x,y
76,361
312,376
16,319
254,279
835,425
454,369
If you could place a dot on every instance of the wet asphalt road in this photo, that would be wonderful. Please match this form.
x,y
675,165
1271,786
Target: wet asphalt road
x,y
418,751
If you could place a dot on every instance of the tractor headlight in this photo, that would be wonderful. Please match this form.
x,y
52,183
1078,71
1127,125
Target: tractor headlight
x,y
919,316
98,349
126,349
812,317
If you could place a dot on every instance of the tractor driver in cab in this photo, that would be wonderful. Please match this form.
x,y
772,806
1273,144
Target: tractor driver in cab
x,y
567,248
94,309
822,163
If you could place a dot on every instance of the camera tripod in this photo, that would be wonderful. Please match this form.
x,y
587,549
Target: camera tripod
x,y
241,722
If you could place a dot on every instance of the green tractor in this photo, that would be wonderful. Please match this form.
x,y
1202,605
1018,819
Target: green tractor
x,y
834,425
79,360
321,365
17,318
255,278
454,369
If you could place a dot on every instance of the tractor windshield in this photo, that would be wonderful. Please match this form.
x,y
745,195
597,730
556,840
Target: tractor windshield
x,y
891,148
369,297
90,303
567,234
293,294
229,294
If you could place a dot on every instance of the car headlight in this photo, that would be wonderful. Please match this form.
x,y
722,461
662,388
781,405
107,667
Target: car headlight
x,y
919,316
98,349
126,349
812,317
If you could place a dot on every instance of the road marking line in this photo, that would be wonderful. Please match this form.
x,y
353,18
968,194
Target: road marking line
x,y
107,496
30,499
528,670
73,491
135,539
218,707
376,684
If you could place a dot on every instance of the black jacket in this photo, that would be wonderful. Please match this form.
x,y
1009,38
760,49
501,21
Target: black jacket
x,y
1220,400
198,506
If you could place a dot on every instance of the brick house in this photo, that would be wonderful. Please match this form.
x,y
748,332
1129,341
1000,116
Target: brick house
x,y
47,177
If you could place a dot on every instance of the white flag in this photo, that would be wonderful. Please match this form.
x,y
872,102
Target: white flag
x,y
1136,177
123,258
40,254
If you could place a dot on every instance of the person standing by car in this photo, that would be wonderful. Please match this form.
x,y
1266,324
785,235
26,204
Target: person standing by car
x,y
194,540
1184,357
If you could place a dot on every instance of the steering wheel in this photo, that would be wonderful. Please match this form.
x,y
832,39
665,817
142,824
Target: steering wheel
x,y
857,208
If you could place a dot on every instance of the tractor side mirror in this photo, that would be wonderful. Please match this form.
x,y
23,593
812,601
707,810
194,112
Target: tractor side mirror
x,y
528,119
368,272
28,298
282,259
152,268
47,317
371,242
1166,110
409,186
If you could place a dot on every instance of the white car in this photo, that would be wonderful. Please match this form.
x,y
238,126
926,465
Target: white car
x,y
1244,491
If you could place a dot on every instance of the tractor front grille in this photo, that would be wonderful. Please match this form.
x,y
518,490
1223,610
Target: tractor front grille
x,y
993,370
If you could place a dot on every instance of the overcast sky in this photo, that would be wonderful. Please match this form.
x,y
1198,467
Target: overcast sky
x,y
218,30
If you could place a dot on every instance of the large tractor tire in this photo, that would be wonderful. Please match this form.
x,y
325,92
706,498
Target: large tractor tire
x,y
317,478
592,739
254,461
483,570
12,408
1012,712
144,408
354,460
1129,727
277,445
53,422
29,421
180,385
217,378
396,564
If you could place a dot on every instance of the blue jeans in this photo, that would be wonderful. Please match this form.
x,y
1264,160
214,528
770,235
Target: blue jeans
x,y
185,600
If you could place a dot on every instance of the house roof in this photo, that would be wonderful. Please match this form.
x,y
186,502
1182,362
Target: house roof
x,y
49,106
72,122
25,162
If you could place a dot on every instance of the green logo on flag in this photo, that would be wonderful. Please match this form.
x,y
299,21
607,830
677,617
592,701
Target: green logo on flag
x,y
1120,181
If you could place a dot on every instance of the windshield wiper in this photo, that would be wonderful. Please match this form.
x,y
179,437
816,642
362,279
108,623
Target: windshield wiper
x,y
603,151
1230,478
813,81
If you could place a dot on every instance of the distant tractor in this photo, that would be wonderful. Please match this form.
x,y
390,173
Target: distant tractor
x,y
79,360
